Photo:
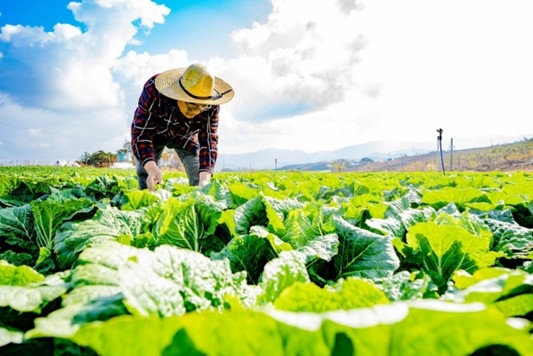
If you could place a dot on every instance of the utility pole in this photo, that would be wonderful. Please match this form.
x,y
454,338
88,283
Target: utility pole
x,y
439,143
276,164
451,154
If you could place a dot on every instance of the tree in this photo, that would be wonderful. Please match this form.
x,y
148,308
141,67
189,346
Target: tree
x,y
339,165
97,159
366,160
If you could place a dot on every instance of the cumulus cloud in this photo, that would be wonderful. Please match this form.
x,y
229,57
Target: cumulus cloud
x,y
40,134
133,69
62,82
83,81
313,74
301,58
68,69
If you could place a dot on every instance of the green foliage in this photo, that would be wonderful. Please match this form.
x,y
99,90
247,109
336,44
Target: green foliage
x,y
18,276
108,224
17,223
348,294
312,263
443,249
49,214
282,273
98,159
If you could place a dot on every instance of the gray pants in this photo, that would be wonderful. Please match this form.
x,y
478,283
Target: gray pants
x,y
189,160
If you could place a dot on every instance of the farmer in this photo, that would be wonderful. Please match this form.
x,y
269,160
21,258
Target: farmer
x,y
178,109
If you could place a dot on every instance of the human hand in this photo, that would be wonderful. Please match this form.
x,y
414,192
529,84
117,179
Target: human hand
x,y
155,175
205,178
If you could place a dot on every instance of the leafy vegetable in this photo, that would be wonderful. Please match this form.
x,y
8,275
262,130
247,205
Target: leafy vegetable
x,y
285,263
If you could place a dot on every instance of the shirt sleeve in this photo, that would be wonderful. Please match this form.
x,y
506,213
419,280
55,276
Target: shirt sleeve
x,y
143,126
208,141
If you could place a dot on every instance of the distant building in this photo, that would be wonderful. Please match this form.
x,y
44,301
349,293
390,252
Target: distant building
x,y
123,157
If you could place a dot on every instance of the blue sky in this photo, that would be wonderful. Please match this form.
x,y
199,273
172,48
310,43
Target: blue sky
x,y
18,12
202,27
197,26
308,74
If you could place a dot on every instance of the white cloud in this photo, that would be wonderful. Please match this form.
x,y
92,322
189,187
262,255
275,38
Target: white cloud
x,y
300,59
66,76
45,135
20,35
35,132
74,67
461,66
315,74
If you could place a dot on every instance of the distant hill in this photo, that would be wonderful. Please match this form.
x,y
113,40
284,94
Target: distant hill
x,y
386,156
379,151
505,157
285,159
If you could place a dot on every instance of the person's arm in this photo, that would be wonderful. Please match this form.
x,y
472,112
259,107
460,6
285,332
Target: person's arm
x,y
143,130
155,175
205,178
143,126
208,142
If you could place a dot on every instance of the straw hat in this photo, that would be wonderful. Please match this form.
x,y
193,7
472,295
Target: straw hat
x,y
194,84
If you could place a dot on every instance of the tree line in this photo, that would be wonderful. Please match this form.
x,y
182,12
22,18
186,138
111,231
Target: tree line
x,y
98,159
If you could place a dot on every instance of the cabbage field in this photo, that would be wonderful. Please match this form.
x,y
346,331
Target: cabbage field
x,y
265,263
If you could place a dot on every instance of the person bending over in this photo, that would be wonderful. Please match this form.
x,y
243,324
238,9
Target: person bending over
x,y
178,109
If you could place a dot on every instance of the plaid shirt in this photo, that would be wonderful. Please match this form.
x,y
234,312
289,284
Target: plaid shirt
x,y
158,122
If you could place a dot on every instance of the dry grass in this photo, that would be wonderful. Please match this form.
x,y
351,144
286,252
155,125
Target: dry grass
x,y
509,157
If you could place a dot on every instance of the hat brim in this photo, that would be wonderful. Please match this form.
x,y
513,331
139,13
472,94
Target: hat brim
x,y
167,84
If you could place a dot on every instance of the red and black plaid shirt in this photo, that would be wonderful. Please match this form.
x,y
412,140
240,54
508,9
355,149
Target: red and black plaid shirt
x,y
158,122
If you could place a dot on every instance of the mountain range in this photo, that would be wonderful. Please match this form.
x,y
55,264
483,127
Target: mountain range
x,y
272,158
